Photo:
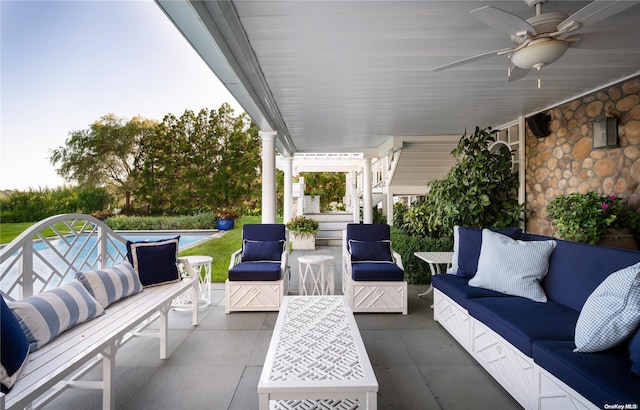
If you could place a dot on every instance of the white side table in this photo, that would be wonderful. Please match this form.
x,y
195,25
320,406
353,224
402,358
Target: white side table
x,y
434,259
321,279
200,265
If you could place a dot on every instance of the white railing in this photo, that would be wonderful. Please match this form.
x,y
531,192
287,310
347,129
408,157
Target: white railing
x,y
51,251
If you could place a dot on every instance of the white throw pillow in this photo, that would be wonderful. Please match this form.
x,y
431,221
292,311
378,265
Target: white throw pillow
x,y
512,266
611,313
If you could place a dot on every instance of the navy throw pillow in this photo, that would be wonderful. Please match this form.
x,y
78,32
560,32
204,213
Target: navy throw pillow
x,y
14,347
262,251
370,251
470,245
155,261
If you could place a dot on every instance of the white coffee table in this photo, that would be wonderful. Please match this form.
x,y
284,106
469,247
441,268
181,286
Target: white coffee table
x,y
316,354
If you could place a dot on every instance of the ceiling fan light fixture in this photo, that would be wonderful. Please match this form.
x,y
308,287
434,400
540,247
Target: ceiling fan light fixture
x,y
539,54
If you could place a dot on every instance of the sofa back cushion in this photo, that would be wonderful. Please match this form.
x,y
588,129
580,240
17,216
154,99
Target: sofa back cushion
x,y
576,269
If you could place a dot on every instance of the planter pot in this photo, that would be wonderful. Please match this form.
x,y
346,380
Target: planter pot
x,y
303,241
619,238
226,224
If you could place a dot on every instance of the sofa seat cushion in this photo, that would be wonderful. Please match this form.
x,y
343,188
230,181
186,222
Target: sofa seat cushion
x,y
521,321
458,289
602,378
376,271
255,271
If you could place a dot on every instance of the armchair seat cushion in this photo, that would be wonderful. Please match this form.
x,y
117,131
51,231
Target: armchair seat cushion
x,y
255,271
376,271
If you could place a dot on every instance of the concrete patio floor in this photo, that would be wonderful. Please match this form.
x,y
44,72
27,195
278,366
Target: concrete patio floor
x,y
217,364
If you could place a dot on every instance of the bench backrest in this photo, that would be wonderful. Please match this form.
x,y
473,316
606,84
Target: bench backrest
x,y
576,269
51,251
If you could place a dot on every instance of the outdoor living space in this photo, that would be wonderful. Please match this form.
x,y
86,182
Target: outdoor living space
x,y
217,364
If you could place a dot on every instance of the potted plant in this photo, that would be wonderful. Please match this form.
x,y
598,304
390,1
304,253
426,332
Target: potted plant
x,y
303,231
592,218
226,218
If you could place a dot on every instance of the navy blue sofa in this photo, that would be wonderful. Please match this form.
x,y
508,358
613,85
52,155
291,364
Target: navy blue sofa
x,y
528,346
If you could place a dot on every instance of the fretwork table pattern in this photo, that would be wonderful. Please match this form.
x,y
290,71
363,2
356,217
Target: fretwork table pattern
x,y
317,357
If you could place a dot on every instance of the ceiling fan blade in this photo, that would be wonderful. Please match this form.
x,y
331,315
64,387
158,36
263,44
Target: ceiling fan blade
x,y
516,73
471,59
594,12
608,40
503,20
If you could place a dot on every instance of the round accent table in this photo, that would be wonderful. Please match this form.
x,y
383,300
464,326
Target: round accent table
x,y
202,265
316,271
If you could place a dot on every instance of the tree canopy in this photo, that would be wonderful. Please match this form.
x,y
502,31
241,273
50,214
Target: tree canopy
x,y
104,154
198,161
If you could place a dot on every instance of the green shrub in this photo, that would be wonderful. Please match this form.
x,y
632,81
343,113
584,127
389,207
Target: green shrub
x,y
203,220
416,271
399,211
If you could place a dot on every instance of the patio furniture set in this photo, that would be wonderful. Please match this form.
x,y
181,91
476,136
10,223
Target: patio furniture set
x,y
554,322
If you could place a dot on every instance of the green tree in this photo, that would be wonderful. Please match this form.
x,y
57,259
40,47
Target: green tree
x,y
331,186
207,160
104,154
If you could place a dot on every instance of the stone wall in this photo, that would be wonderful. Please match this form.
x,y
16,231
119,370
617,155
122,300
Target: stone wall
x,y
565,162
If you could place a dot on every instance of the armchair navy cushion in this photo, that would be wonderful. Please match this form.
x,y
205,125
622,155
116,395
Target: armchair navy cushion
x,y
262,248
376,271
375,251
255,271
257,251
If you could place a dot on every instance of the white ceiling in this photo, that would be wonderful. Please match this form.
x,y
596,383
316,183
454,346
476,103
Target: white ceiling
x,y
338,76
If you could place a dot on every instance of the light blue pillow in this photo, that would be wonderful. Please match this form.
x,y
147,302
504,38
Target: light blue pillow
x,y
512,266
110,285
611,313
44,316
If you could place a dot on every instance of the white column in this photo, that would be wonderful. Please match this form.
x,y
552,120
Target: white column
x,y
367,212
268,176
288,189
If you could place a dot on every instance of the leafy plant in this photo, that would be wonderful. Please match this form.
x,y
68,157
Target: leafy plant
x,y
228,213
479,191
416,270
586,217
303,224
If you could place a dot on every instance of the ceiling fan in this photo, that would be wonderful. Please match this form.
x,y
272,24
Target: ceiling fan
x,y
545,37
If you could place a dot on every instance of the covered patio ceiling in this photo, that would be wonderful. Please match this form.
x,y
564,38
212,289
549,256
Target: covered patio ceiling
x,y
345,76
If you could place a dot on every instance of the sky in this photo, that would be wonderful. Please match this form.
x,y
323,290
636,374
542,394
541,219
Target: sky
x,y
66,64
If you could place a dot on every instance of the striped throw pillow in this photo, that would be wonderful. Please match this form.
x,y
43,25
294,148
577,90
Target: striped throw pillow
x,y
44,316
112,284
512,266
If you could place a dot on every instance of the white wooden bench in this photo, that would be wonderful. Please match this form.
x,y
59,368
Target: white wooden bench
x,y
25,270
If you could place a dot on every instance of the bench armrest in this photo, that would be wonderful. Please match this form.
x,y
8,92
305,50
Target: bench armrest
x,y
235,258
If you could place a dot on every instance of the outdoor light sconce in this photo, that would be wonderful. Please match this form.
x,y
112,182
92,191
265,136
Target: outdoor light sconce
x,y
605,132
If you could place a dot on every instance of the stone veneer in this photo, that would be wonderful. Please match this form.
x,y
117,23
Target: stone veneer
x,y
565,162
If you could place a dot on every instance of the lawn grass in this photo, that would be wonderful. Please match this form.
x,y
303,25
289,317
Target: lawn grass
x,y
220,249
9,232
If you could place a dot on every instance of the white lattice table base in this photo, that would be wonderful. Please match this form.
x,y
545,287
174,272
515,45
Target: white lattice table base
x,y
316,353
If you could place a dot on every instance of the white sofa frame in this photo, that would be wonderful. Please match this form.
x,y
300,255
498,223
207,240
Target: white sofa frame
x,y
256,295
532,386
373,296
61,363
